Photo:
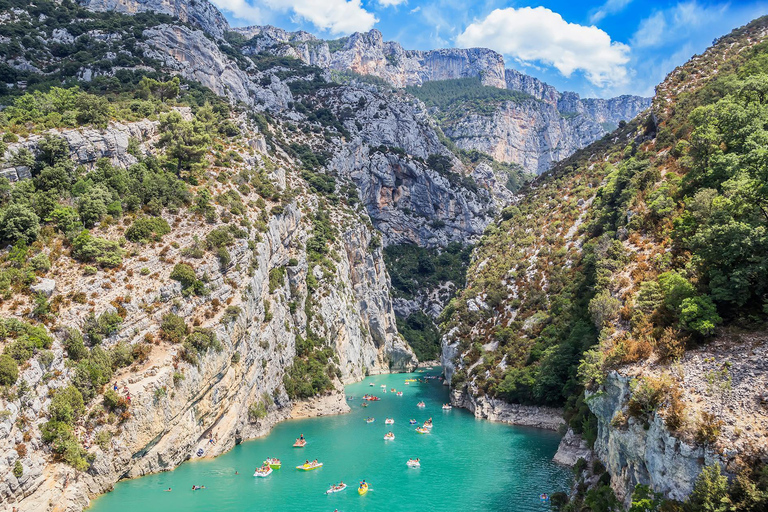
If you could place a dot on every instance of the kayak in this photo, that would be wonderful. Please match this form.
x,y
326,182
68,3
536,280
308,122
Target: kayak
x,y
413,464
389,421
421,404
262,474
300,443
334,489
413,422
309,467
369,420
447,407
362,489
389,437
422,430
399,393
273,463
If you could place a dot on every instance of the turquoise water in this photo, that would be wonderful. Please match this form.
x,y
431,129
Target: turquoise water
x,y
466,463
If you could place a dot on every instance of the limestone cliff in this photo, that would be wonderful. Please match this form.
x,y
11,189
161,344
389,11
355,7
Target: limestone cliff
x,y
533,134
202,14
177,407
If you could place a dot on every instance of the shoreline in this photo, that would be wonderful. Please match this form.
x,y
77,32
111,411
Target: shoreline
x,y
547,418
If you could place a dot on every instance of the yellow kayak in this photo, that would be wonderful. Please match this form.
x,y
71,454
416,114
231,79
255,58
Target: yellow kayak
x,y
310,467
362,489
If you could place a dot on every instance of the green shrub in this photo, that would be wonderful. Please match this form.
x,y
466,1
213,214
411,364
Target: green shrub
x,y
89,248
18,223
184,274
699,314
173,328
710,491
18,469
276,278
74,345
67,405
147,229
9,370
93,373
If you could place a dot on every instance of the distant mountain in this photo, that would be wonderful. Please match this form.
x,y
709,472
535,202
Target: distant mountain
x,y
532,134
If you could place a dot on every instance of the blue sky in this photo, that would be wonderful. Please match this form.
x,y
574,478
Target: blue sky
x,y
594,47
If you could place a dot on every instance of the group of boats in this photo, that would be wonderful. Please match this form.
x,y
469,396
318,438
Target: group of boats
x,y
271,464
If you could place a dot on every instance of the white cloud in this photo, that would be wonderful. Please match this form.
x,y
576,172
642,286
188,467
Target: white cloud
x,y
241,10
335,16
676,23
391,3
415,9
539,34
608,8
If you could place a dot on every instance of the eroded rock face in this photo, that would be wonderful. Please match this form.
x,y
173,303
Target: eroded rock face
x,y
195,57
200,13
492,409
635,455
88,145
172,417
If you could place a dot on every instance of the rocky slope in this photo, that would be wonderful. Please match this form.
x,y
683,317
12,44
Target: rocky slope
x,y
533,134
172,417
575,286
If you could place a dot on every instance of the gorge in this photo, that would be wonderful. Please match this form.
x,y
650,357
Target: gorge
x,y
208,230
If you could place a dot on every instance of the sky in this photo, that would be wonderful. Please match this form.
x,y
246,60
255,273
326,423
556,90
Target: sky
x,y
598,48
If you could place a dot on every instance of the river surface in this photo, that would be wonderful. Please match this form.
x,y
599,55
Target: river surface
x,y
466,464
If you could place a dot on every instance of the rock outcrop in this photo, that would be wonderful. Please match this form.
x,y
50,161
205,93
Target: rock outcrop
x,y
176,408
200,13
493,409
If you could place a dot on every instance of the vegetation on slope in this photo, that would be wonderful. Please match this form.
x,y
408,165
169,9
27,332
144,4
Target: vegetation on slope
x,y
451,97
636,248
425,276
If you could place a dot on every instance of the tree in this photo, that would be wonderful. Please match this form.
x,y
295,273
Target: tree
x,y
9,370
53,149
645,500
19,224
162,90
699,314
710,491
186,142
93,205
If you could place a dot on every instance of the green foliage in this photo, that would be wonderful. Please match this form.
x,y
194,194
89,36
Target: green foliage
x,y
185,274
198,343
645,500
276,278
97,328
18,223
92,373
145,229
67,405
18,469
422,335
173,328
9,370
710,491
88,248
464,94
413,268
186,142
699,314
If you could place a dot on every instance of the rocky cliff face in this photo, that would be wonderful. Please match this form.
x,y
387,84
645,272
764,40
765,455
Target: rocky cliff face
x,y
368,54
177,407
634,452
533,134
202,14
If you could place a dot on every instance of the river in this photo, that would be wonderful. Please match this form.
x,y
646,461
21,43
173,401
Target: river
x,y
466,464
